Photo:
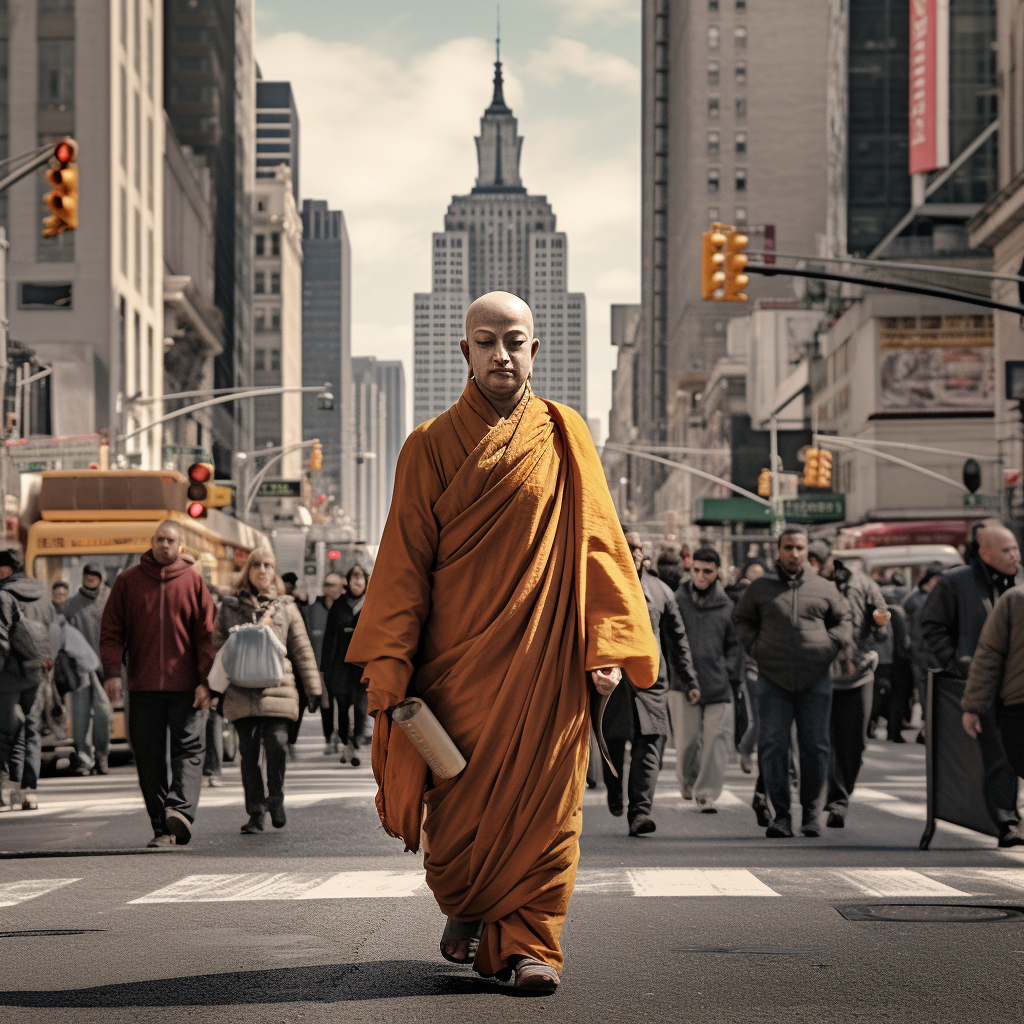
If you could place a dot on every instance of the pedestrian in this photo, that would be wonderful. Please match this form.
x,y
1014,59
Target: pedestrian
x,y
344,681
26,653
794,624
747,574
670,569
290,581
158,621
89,701
913,605
501,584
641,717
995,681
852,676
316,615
261,716
705,732
951,624
59,594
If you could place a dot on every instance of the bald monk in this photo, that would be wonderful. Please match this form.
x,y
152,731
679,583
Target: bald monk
x,y
503,579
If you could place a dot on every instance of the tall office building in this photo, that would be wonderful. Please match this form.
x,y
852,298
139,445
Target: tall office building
x,y
89,302
327,345
210,93
277,131
499,237
371,424
391,380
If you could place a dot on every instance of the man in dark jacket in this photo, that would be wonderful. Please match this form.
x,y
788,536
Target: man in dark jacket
x,y
89,701
24,677
705,732
794,624
853,680
160,618
913,605
315,616
640,717
343,681
951,624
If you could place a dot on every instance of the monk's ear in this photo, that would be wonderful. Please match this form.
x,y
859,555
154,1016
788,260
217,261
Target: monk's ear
x,y
464,346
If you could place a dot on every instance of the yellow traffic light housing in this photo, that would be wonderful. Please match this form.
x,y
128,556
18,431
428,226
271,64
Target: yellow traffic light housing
x,y
735,262
811,461
62,202
316,458
764,483
712,260
825,469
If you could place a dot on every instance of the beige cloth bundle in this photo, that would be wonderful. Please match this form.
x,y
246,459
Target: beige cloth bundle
x,y
427,735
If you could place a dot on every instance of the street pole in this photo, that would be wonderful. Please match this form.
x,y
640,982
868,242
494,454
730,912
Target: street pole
x,y
777,506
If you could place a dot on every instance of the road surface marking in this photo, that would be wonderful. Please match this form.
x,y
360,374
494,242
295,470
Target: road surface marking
x,y
697,882
894,882
12,893
367,885
287,885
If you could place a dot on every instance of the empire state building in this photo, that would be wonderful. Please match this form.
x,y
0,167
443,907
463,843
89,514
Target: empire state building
x,y
499,237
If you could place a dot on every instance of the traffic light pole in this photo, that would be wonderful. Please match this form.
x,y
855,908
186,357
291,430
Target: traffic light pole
x,y
258,479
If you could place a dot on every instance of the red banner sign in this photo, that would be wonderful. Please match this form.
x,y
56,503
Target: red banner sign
x,y
929,85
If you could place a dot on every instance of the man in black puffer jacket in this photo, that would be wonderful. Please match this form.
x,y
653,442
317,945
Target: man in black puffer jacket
x,y
794,624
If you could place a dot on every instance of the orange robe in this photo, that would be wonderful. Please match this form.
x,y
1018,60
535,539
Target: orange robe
x,y
502,578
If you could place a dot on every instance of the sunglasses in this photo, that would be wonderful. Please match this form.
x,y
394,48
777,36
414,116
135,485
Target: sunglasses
x,y
703,572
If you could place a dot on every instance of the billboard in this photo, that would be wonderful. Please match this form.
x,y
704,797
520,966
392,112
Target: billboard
x,y
929,85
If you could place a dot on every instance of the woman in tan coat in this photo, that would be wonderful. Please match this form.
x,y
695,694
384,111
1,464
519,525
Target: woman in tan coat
x,y
261,716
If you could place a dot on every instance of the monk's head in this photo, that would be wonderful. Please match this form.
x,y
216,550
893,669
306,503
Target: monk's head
x,y
500,347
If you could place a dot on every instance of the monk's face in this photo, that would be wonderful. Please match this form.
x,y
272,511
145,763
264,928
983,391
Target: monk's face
x,y
499,346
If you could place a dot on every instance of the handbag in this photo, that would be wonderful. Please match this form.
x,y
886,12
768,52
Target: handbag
x,y
253,657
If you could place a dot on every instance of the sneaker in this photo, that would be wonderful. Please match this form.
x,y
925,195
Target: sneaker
x,y
161,840
213,781
178,825
811,829
642,826
780,828
277,815
28,800
835,820
335,743
1011,836
102,766
349,753
707,806
354,759
615,803
760,805
253,826
329,749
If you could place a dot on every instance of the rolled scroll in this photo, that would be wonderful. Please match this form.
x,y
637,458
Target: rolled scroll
x,y
427,735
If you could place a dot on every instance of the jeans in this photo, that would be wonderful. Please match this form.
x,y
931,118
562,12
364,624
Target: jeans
x,y
810,709
272,735
90,701
851,712
214,745
176,786
20,741
752,686
350,695
703,737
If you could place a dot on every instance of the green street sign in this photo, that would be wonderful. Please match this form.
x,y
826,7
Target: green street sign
x,y
984,500
280,489
829,508
713,511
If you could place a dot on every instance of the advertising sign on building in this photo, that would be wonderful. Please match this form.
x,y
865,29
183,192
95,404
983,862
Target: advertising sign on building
x,y
929,85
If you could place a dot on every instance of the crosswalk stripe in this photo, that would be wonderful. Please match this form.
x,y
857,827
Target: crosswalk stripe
x,y
894,882
697,882
362,885
12,893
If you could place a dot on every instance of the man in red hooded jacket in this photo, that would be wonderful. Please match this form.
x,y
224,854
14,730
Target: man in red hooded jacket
x,y
159,620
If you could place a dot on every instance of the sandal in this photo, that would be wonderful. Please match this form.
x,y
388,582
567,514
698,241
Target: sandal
x,y
456,931
535,976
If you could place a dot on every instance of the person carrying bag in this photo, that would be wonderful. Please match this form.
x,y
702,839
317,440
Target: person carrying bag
x,y
263,654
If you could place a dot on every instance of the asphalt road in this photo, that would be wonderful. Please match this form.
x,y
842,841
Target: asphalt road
x,y
327,920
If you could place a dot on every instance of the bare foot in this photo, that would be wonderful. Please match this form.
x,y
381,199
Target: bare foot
x,y
458,950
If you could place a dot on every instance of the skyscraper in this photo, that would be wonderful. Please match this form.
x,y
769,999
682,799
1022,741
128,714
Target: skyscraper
x,y
499,237
277,131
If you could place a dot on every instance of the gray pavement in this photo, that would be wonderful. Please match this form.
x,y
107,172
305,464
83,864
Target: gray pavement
x,y
327,920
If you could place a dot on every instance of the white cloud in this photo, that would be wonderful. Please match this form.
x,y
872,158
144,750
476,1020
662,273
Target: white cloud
x,y
389,140
613,11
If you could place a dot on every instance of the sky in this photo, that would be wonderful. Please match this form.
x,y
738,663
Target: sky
x,y
390,96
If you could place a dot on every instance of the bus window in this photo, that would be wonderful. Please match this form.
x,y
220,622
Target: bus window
x,y
69,567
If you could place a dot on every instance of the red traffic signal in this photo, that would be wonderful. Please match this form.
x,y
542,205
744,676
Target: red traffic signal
x,y
196,509
62,202
65,151
199,474
334,555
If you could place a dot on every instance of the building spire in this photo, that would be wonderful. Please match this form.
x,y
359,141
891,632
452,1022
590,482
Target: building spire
x,y
498,104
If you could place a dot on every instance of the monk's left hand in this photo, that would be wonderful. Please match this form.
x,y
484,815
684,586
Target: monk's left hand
x,y
606,679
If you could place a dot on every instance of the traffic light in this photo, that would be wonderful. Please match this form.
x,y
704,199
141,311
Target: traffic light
x,y
200,475
316,458
712,276
764,483
825,469
811,461
63,200
735,261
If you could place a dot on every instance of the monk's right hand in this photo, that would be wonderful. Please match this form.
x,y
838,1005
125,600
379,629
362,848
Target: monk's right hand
x,y
971,724
113,688
606,679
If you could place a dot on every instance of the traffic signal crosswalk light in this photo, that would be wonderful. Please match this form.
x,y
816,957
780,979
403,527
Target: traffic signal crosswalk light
x,y
723,264
200,479
811,467
764,483
735,263
712,262
62,202
825,469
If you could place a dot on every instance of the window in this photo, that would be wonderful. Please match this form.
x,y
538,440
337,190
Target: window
x,y
194,65
260,320
713,106
261,283
713,214
741,142
193,93
712,6
741,5
275,360
44,296
275,319
741,106
740,37
713,142
260,360
741,215
741,179
56,74
713,73
713,179
714,37
261,245
741,72
275,244
275,283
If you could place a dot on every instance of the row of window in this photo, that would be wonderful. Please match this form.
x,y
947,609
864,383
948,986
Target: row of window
x,y
715,106
261,320
715,142
739,37
715,73
261,282
739,214
275,244
741,5
260,362
714,179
